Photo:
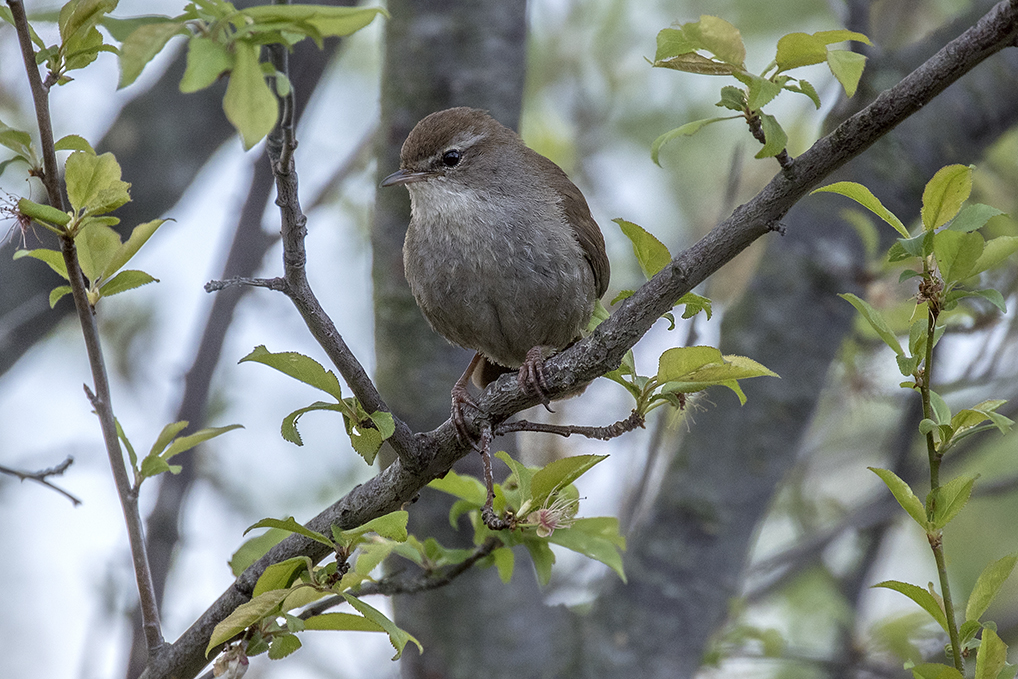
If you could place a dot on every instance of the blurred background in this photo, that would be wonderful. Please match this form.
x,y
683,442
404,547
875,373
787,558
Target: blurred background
x,y
755,532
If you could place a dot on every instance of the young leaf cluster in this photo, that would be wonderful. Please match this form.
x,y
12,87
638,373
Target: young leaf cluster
x,y
167,445
80,39
94,189
225,42
269,622
366,430
945,255
713,46
681,370
542,504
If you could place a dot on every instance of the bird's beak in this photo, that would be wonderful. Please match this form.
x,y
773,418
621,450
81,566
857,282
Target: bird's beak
x,y
406,177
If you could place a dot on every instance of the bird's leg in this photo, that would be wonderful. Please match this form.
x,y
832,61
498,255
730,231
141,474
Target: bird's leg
x,y
461,398
531,378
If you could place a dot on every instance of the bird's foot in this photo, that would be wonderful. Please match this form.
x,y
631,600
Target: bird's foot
x,y
531,378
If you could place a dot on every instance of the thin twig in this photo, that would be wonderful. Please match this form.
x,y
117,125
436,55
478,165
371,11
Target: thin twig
x,y
279,147
635,420
43,475
277,283
100,400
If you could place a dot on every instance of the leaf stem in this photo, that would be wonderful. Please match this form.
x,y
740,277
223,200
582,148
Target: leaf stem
x,y
937,538
100,400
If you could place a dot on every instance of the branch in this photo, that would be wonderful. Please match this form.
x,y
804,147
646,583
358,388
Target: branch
x,y
634,421
604,349
100,400
279,147
42,477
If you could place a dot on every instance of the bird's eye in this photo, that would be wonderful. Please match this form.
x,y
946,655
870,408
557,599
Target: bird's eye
x,y
451,158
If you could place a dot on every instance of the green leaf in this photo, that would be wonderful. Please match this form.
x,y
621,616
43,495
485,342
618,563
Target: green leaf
x,y
291,525
79,16
132,456
876,321
126,280
142,45
706,365
93,183
935,671
342,622
397,637
5,14
168,433
941,411
207,59
732,98
558,474
288,429
686,130
650,252
188,442
56,293
761,91
992,296
969,418
326,21
920,596
521,477
504,563
281,575
805,87
139,236
543,558
903,494
973,217
840,35
718,37
679,362
244,616
995,251
464,487
991,656
366,442
775,136
97,245
54,259
18,141
43,213
282,646
944,195
799,49
671,42
299,367
596,538
847,67
73,142
255,548
153,466
249,104
697,63
865,197
956,253
694,304
949,499
988,586
391,526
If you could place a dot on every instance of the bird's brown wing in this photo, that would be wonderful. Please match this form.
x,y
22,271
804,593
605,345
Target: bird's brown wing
x,y
586,230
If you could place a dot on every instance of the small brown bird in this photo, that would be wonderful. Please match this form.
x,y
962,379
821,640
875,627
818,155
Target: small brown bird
x,y
501,253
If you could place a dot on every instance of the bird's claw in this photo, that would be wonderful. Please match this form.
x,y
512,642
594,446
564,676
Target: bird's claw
x,y
531,378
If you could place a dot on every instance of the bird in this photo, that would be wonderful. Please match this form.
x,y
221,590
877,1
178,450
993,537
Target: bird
x,y
501,253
